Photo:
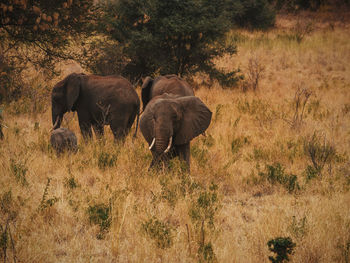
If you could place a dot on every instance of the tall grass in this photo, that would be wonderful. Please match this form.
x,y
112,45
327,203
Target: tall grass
x,y
103,205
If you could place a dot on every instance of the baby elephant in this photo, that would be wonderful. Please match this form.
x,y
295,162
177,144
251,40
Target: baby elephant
x,y
63,139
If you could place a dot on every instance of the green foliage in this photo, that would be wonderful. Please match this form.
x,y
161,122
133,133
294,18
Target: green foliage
x,y
311,173
45,203
283,247
207,253
106,159
254,14
237,143
19,169
37,33
185,41
100,215
159,231
206,206
313,5
275,174
202,213
71,183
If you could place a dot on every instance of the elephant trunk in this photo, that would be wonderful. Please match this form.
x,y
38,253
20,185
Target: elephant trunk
x,y
163,139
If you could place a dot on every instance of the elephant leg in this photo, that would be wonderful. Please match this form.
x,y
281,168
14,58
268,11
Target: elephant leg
x,y
85,125
183,151
98,129
119,128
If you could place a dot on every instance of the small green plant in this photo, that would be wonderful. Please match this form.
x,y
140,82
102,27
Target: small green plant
x,y
159,231
237,144
275,174
100,215
106,159
71,183
45,203
19,170
202,213
282,247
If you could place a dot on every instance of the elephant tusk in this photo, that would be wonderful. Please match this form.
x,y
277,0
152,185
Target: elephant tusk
x,y
170,141
54,126
152,144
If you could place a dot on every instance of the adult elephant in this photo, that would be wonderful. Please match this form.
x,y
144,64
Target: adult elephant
x,y
170,122
171,84
99,101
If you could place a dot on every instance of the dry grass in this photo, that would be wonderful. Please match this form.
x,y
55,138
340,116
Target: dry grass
x,y
248,132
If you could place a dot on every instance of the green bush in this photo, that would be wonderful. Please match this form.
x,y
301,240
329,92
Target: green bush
x,y
283,247
19,169
254,14
275,174
106,159
155,37
158,231
100,215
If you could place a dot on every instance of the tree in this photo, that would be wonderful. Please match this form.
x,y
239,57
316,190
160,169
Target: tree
x,y
38,32
162,37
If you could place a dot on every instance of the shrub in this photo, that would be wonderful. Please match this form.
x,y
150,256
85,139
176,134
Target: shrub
x,y
202,213
100,215
106,159
319,150
283,247
19,170
254,14
275,174
158,231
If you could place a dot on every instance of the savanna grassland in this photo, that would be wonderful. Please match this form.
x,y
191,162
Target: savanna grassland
x,y
274,163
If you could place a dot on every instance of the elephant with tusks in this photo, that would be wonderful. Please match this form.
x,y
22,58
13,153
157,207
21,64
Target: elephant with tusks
x,y
170,122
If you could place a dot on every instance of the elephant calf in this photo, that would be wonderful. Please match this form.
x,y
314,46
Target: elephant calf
x,y
170,122
63,139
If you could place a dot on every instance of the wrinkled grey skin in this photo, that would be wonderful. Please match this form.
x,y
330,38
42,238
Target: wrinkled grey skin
x,y
99,101
63,140
179,118
171,84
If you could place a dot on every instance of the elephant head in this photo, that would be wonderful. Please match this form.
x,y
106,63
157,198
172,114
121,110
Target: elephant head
x,y
171,120
64,95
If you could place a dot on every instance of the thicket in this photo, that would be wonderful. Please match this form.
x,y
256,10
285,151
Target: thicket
x,y
38,34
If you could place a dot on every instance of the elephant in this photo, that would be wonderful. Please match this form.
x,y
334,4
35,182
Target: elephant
x,y
171,84
99,101
62,140
169,123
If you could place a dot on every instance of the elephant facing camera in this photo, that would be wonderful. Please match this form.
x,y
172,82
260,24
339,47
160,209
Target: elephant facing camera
x,y
63,140
169,123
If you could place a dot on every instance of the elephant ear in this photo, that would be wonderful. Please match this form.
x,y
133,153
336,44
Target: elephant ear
x,y
146,91
147,125
196,119
73,84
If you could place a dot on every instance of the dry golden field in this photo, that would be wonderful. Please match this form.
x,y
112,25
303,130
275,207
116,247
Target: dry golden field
x,y
252,178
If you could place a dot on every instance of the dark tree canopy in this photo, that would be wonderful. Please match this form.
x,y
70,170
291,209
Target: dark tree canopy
x,y
38,32
162,37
